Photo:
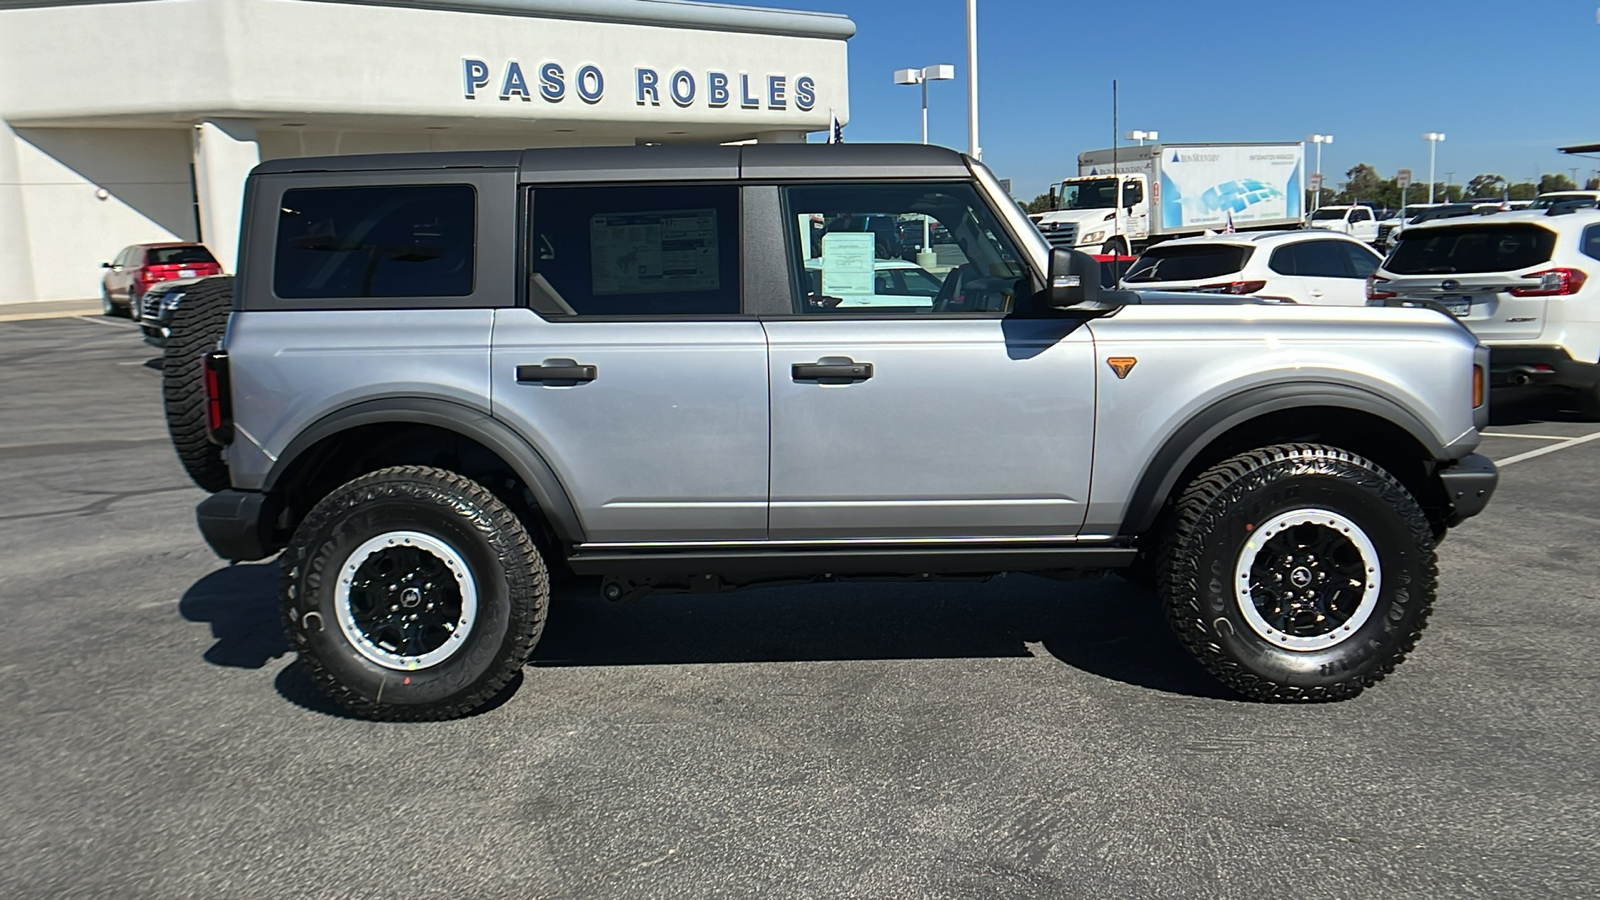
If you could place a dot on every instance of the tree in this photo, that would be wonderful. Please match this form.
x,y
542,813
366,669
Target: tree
x,y
1555,181
1486,187
1592,184
1361,182
1522,190
1039,204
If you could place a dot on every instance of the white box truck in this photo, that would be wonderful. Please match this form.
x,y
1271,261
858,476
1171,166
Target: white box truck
x,y
1161,191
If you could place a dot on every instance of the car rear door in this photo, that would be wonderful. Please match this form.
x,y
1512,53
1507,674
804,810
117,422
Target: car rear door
x,y
633,369
958,420
1320,272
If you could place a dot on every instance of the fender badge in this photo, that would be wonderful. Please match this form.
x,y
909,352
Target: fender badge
x,y
1122,365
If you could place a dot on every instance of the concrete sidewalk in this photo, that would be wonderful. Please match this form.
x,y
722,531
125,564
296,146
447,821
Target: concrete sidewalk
x,y
48,309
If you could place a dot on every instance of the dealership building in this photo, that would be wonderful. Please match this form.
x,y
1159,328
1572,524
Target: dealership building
x,y
137,121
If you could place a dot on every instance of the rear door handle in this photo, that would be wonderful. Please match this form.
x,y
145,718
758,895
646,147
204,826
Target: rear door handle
x,y
556,370
832,371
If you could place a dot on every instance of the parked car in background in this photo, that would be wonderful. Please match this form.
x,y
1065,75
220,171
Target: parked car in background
x,y
1521,282
1576,199
1356,221
137,267
1395,221
156,306
1313,267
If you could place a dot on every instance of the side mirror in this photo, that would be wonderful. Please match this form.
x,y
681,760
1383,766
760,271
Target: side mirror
x,y
106,265
1075,286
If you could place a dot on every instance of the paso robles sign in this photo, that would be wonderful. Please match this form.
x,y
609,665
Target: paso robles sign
x,y
552,82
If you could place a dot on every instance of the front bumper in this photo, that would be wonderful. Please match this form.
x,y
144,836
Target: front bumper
x,y
1468,482
239,525
1539,365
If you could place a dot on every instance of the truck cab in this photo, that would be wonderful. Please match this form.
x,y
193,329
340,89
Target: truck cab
x,y
1357,221
1105,214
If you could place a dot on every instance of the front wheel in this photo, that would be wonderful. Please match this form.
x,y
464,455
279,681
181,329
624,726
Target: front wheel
x,y
412,593
1115,247
1298,572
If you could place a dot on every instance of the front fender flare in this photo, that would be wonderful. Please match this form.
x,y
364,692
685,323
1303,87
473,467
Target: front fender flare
x,y
1161,473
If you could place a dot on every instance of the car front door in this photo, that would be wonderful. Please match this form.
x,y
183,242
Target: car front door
x,y
963,418
632,368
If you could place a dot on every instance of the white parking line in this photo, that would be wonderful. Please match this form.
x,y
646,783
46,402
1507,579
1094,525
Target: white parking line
x,y
96,319
1502,463
1531,437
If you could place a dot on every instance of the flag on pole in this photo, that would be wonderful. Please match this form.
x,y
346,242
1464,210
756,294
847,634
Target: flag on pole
x,y
835,130
1228,229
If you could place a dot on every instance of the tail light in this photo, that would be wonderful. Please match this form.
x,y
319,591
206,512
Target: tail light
x,y
1373,291
1232,287
1552,283
219,398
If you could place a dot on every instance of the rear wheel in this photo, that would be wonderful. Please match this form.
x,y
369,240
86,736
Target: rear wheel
x,y
1298,572
413,593
1589,402
196,328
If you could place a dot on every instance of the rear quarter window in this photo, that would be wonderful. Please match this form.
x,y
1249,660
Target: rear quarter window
x,y
1187,263
1469,249
381,241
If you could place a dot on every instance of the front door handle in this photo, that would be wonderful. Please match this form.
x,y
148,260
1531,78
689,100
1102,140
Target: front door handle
x,y
556,370
832,370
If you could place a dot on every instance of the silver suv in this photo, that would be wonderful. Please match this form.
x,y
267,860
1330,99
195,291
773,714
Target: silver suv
x,y
691,368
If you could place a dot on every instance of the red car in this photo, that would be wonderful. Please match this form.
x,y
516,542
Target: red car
x,y
141,265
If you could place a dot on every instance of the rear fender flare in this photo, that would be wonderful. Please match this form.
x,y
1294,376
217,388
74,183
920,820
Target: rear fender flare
x,y
449,415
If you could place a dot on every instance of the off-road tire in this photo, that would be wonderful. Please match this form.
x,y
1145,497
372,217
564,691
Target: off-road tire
x,y
1215,519
511,596
197,327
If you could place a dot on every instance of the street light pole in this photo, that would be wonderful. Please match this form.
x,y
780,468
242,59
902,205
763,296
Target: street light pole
x,y
943,72
1319,140
1433,138
972,81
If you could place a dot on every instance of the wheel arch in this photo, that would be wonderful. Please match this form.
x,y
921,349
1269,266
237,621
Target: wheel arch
x,y
331,440
1352,418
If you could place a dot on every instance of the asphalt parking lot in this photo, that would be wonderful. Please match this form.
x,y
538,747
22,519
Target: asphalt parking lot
x,y
1020,738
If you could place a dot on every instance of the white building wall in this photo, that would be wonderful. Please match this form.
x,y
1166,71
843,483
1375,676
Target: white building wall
x,y
79,114
71,229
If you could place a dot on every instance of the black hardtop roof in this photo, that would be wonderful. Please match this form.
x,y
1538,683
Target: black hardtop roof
x,y
661,162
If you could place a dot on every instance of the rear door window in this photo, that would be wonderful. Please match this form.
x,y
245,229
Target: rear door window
x,y
1469,249
384,241
636,251
1191,263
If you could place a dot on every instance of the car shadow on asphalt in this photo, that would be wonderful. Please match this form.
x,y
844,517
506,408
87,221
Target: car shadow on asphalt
x,y
1104,627
1514,409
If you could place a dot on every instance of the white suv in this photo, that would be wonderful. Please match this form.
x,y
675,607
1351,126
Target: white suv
x,y
1314,267
1521,281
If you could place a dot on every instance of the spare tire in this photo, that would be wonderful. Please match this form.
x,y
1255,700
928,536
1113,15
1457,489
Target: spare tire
x,y
196,329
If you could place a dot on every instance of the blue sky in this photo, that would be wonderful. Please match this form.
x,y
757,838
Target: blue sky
x,y
1506,82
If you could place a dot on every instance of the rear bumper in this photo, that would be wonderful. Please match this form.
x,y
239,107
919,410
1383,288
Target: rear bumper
x,y
1468,482
238,524
1535,365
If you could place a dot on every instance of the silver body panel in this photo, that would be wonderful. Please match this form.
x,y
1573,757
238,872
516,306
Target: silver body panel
x,y
967,427
669,442
1190,357
291,368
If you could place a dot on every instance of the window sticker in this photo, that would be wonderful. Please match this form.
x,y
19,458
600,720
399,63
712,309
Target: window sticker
x,y
654,252
847,265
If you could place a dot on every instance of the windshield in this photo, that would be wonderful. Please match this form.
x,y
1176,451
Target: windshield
x,y
1098,194
1191,263
1545,201
1471,249
1330,214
